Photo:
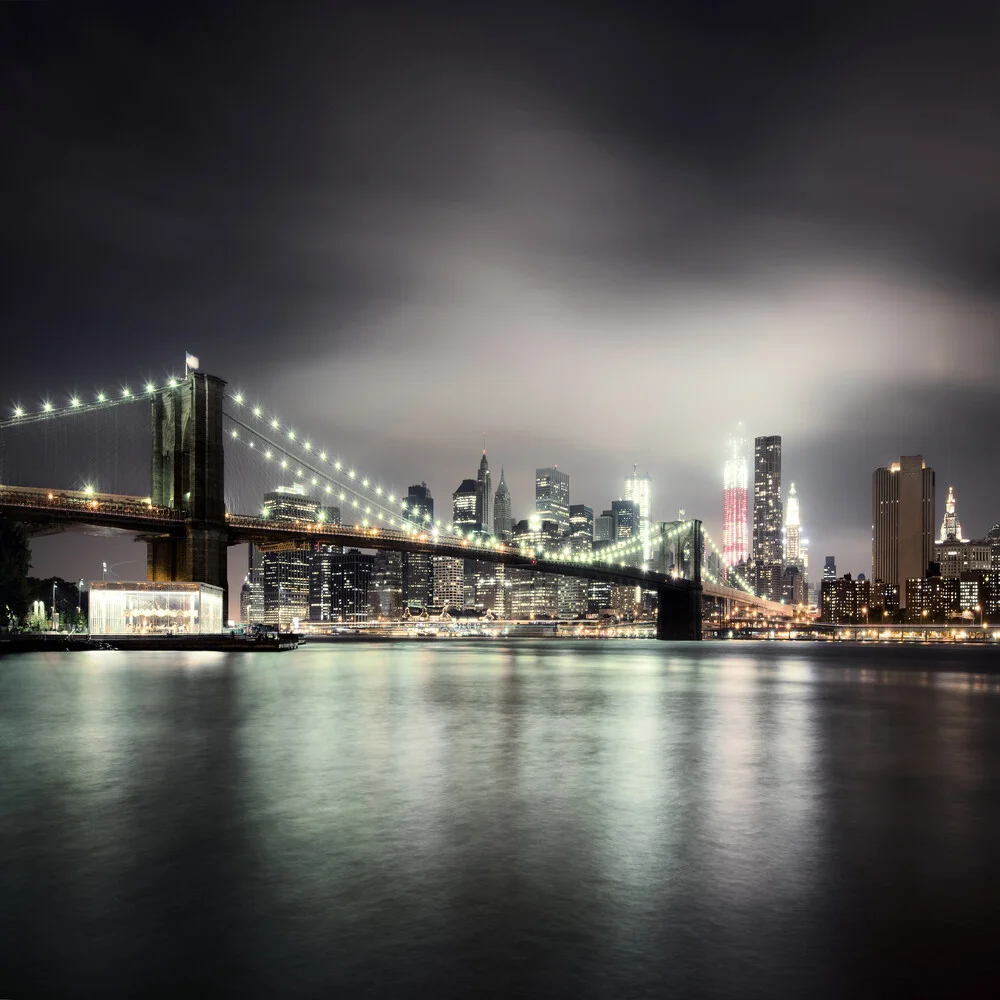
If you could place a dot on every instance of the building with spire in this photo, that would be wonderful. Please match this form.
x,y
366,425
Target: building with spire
x,y
484,495
792,528
951,528
503,520
735,483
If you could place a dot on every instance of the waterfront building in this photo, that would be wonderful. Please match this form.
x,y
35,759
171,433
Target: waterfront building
x,y
932,600
844,601
767,516
503,522
449,581
639,490
735,484
385,595
552,496
484,496
902,522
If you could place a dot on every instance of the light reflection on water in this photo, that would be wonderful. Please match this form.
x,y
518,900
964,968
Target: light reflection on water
x,y
550,818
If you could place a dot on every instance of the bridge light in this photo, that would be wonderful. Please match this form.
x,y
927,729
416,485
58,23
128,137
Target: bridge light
x,y
126,392
284,463
233,433
322,456
336,464
150,387
328,488
238,398
321,516
315,481
267,454
88,489
101,397
378,491
18,412
307,446
365,484
47,406
298,473
172,382
354,502
342,497
351,473
275,424
251,444
291,435
74,401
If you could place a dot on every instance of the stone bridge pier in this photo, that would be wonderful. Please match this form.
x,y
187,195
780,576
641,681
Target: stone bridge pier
x,y
188,473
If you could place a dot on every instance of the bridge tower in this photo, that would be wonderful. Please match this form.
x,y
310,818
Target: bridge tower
x,y
188,473
679,611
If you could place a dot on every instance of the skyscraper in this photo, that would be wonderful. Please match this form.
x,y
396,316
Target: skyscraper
x,y
464,503
417,572
767,516
286,573
639,490
503,521
552,496
484,495
902,522
951,527
792,529
735,482
626,519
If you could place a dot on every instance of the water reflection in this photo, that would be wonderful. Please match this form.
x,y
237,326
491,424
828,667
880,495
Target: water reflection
x,y
566,819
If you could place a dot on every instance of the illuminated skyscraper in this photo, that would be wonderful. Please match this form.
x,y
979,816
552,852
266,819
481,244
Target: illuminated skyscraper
x,y
792,529
902,522
639,490
503,522
767,514
463,505
951,528
735,482
484,496
552,496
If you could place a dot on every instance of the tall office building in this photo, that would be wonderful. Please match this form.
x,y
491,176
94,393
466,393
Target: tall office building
x,y
484,496
793,529
286,572
503,521
626,519
951,527
604,527
581,521
639,490
830,568
418,578
735,483
767,517
902,522
552,496
463,506
449,581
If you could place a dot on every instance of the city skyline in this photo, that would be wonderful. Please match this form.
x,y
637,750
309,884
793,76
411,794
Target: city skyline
x,y
364,238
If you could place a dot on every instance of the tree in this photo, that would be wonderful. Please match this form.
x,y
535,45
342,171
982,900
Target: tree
x,y
15,561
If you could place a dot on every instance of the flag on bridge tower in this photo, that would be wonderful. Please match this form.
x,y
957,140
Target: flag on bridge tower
x,y
190,362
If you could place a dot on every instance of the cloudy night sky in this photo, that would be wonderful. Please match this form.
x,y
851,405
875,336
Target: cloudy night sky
x,y
600,235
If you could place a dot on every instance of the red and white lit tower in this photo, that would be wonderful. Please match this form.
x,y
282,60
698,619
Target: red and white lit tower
x,y
736,480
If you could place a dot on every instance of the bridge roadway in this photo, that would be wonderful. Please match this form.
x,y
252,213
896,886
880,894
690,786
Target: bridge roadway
x,y
137,515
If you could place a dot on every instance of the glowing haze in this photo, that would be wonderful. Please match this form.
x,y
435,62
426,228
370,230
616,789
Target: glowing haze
x,y
602,238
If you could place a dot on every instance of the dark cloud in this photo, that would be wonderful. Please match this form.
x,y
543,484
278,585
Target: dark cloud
x,y
601,235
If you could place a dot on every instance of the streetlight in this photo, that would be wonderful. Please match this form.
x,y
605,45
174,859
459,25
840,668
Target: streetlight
x,y
53,605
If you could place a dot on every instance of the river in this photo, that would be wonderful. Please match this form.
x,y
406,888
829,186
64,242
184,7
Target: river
x,y
449,819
